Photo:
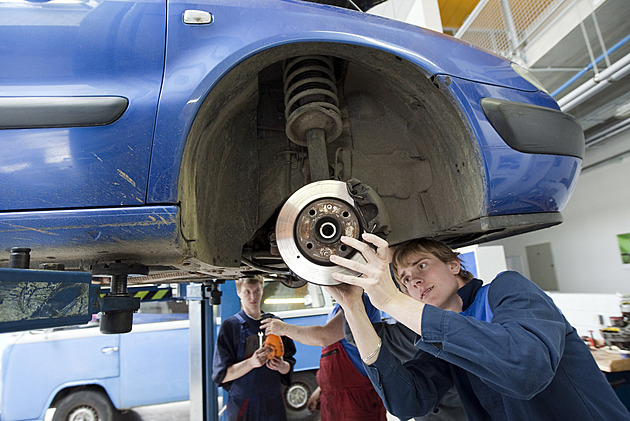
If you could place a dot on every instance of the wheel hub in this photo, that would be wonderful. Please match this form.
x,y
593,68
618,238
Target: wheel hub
x,y
297,396
310,226
83,413
320,225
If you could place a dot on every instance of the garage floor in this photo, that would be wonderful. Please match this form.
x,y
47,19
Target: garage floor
x,y
178,411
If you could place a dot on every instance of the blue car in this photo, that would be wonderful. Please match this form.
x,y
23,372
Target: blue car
x,y
223,138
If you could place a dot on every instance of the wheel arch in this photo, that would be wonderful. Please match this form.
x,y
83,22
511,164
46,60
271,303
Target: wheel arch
x,y
223,172
62,393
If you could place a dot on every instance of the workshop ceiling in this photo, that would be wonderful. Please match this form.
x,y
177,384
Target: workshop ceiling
x,y
604,114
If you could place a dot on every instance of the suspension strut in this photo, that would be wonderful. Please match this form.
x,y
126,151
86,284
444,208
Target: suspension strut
x,y
312,108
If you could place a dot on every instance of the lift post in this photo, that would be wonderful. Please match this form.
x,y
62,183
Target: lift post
x,y
203,391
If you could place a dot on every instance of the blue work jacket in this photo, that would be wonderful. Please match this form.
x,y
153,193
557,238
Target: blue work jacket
x,y
256,396
511,355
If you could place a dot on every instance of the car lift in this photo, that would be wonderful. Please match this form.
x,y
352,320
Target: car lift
x,y
53,297
203,310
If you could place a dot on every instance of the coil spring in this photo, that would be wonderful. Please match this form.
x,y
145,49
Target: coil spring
x,y
310,98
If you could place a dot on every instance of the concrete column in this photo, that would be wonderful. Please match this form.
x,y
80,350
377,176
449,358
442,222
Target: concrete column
x,y
423,13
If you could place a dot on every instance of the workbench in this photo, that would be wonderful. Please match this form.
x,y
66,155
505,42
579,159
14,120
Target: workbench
x,y
617,371
610,361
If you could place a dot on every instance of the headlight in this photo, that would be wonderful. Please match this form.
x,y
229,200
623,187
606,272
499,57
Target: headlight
x,y
528,76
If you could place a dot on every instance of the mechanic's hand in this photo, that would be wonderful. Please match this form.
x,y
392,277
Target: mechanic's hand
x,y
375,277
346,295
273,327
313,401
259,358
279,364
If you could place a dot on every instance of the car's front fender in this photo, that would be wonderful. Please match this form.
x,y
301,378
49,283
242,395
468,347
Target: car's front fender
x,y
198,56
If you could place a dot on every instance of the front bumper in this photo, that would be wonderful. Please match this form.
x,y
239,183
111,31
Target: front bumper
x,y
533,129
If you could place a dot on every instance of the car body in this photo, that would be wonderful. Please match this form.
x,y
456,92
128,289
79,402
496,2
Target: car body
x,y
155,131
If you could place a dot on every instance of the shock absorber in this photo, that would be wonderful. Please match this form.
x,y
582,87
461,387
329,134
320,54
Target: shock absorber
x,y
312,108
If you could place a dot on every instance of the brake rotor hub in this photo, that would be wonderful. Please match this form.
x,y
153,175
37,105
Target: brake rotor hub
x,y
319,227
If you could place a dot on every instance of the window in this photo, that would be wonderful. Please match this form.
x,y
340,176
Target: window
x,y
278,297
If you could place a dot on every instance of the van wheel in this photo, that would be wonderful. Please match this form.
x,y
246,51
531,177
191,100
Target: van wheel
x,y
296,395
85,405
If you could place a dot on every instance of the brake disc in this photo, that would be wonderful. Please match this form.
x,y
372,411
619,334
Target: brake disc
x,y
309,228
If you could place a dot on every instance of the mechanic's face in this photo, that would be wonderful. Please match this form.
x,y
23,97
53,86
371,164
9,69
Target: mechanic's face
x,y
250,295
432,281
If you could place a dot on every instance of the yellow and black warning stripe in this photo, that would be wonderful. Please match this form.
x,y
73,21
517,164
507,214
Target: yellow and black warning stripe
x,y
147,294
154,295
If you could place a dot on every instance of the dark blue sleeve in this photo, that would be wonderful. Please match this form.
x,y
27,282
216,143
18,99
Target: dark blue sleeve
x,y
225,351
373,313
517,352
412,389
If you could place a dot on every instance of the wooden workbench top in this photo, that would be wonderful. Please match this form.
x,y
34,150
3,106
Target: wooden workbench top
x,y
610,361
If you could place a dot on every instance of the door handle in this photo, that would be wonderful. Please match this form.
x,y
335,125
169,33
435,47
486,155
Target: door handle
x,y
197,17
109,349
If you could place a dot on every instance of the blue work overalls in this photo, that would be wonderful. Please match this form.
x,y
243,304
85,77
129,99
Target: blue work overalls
x,y
257,396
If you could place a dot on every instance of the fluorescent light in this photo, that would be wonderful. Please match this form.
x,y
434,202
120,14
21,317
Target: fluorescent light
x,y
285,301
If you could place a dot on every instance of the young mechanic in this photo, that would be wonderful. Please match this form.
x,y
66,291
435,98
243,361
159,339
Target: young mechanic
x,y
242,367
505,346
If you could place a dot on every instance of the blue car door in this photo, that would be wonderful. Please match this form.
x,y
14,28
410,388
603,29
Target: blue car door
x,y
38,364
154,364
79,86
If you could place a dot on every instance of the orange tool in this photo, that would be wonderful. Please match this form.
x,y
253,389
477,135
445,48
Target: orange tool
x,y
275,344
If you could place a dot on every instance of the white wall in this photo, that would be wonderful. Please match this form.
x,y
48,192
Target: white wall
x,y
489,261
584,246
587,312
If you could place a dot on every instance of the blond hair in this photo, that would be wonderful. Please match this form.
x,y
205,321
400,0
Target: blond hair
x,y
247,281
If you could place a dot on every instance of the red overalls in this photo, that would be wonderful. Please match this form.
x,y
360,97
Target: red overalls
x,y
346,394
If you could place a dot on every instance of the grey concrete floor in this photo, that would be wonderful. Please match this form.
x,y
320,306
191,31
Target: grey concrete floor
x,y
178,411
